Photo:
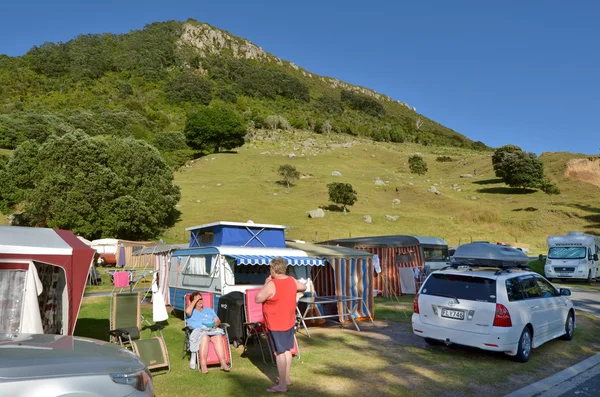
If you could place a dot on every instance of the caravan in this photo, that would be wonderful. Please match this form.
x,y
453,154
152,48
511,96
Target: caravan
x,y
574,256
231,256
435,253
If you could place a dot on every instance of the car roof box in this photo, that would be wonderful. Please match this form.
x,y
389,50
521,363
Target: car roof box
x,y
484,254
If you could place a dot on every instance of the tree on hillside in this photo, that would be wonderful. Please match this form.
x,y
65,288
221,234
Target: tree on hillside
x,y
288,173
118,188
498,158
342,194
518,168
417,165
214,128
549,188
187,87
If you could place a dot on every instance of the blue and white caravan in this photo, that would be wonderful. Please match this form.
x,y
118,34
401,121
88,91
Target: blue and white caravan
x,y
227,256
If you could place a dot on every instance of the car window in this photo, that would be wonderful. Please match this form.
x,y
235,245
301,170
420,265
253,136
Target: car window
x,y
545,288
514,290
461,287
530,287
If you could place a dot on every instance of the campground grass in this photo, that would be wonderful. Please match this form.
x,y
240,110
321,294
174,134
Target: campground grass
x,y
385,355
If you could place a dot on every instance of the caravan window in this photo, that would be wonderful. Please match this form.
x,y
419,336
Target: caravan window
x,y
567,253
198,266
251,274
439,254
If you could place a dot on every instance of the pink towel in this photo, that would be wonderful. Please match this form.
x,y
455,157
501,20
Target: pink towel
x,y
121,279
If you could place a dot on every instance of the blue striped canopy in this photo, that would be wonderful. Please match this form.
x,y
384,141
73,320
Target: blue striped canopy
x,y
266,259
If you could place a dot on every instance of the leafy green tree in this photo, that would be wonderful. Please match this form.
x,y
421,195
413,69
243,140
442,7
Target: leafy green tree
x,y
187,87
549,188
362,103
518,168
214,128
417,165
288,173
342,194
100,188
498,158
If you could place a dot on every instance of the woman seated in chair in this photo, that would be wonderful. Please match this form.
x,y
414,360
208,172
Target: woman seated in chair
x,y
205,325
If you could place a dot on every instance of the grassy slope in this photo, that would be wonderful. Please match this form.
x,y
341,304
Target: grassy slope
x,y
250,191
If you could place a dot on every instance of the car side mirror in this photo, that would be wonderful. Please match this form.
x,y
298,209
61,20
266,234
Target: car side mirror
x,y
565,292
595,257
541,257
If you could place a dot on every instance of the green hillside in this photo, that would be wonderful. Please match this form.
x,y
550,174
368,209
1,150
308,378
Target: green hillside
x,y
483,209
144,83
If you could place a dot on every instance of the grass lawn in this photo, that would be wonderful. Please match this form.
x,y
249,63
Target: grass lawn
x,y
385,358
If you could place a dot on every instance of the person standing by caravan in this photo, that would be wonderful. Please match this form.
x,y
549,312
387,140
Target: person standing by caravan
x,y
278,297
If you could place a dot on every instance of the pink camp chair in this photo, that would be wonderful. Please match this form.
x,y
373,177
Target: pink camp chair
x,y
212,359
121,279
256,327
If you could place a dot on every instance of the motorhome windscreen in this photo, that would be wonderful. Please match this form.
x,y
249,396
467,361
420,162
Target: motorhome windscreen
x,y
567,253
436,254
461,287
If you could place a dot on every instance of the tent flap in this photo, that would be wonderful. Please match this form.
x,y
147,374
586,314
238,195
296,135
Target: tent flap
x,y
265,260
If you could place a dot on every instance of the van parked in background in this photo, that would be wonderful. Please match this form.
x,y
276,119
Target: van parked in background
x,y
574,256
435,253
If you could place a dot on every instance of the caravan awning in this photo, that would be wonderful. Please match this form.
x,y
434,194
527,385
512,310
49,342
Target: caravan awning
x,y
265,260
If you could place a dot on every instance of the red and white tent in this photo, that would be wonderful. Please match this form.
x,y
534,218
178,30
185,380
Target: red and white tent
x,y
48,264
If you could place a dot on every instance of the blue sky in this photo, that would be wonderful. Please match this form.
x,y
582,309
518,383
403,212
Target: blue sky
x,y
513,71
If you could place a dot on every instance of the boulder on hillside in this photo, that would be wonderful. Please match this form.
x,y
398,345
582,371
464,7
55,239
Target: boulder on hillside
x,y
396,202
466,175
318,213
336,173
392,218
367,219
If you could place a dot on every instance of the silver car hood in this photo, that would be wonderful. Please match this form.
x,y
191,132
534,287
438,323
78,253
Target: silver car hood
x,y
26,356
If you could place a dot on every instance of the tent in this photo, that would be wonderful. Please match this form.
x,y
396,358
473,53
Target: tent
x,y
347,272
43,273
394,254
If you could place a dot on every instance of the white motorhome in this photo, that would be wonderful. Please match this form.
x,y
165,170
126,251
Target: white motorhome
x,y
434,251
574,256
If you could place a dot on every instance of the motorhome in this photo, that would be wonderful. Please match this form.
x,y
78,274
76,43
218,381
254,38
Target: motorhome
x,y
574,256
435,253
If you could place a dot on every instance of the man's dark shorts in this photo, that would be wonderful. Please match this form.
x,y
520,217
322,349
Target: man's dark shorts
x,y
283,340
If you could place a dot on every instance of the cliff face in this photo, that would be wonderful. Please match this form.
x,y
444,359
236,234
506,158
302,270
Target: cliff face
x,y
206,40
585,170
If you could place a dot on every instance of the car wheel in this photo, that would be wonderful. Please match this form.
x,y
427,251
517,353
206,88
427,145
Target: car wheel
x,y
569,327
433,342
524,350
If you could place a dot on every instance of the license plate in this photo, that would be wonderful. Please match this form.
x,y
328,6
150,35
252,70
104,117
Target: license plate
x,y
456,314
565,274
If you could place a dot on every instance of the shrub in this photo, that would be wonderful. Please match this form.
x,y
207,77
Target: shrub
x,y
226,94
169,141
288,173
362,103
329,104
212,129
443,159
187,87
417,165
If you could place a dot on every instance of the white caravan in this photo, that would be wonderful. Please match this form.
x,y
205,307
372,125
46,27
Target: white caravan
x,y
574,256
435,253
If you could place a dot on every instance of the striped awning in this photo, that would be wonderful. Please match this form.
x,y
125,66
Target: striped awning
x,y
265,260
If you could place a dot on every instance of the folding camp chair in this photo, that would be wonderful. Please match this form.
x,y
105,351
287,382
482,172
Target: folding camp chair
x,y
257,329
212,359
126,329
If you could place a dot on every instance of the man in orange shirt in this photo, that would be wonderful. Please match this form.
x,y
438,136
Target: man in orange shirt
x,y
278,297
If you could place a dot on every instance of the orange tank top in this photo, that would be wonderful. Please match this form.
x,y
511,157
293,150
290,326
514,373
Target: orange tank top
x,y
280,310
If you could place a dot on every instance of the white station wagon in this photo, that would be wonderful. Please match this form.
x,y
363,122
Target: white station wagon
x,y
489,299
